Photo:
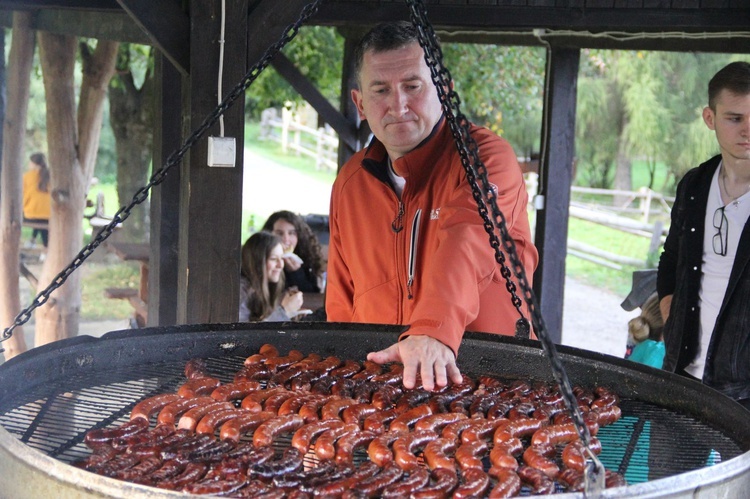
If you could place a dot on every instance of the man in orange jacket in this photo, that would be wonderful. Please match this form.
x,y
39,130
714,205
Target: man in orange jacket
x,y
407,244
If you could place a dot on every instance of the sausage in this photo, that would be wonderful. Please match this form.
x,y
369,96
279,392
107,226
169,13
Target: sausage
x,y
518,428
445,481
436,422
521,410
336,488
101,436
394,376
349,369
148,436
490,385
379,449
253,372
277,363
364,390
154,447
289,462
209,422
508,483
416,480
410,418
332,409
235,391
293,404
573,480
192,473
168,415
344,387
254,401
324,446
216,487
285,376
346,445
377,421
250,455
503,454
612,479
386,396
436,453
272,428
607,415
214,452
574,456
369,369
310,409
168,470
303,437
475,483
355,413
190,419
563,433
468,455
538,481
452,431
182,448
195,368
145,408
197,387
100,455
483,429
539,457
264,352
371,486
305,381
235,428
144,468
405,446
273,403
116,465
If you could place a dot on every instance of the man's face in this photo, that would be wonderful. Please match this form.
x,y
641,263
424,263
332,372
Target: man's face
x,y
731,122
397,98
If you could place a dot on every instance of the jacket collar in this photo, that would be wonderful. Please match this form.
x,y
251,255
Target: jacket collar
x,y
416,165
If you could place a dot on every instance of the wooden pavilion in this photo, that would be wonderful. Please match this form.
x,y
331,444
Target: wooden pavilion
x,y
193,265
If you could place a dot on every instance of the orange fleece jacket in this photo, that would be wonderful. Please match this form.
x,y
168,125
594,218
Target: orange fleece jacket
x,y
437,274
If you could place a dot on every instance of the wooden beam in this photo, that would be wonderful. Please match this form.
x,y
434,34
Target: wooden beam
x,y
345,130
211,197
347,106
104,25
556,177
166,25
267,23
165,198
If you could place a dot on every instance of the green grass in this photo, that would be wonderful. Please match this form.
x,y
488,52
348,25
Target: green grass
x,y
96,278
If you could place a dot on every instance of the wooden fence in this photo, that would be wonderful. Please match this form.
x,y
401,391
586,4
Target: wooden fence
x,y
321,144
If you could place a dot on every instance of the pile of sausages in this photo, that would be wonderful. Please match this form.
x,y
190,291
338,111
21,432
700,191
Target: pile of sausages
x,y
303,426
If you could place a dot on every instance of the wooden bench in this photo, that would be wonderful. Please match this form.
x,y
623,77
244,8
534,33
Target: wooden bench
x,y
133,296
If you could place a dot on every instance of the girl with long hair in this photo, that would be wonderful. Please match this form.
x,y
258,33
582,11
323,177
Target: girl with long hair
x,y
37,203
303,257
262,293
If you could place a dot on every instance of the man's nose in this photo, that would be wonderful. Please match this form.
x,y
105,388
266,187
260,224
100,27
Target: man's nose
x,y
398,102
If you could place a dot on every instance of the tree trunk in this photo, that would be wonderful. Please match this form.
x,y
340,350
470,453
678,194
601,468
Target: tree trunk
x,y
72,142
623,173
11,210
131,118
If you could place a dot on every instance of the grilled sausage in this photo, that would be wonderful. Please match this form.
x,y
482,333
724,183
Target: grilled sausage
x,y
195,368
475,483
168,415
235,428
445,481
404,449
508,483
349,369
190,419
436,422
355,413
469,455
235,391
410,418
272,428
209,422
372,486
304,436
416,480
324,446
538,481
333,408
436,453
379,449
146,408
101,436
336,488
574,457
346,445
539,457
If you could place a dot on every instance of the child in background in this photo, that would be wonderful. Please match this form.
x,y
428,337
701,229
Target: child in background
x,y
36,198
645,335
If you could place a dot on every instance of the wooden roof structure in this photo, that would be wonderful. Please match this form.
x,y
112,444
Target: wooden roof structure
x,y
196,211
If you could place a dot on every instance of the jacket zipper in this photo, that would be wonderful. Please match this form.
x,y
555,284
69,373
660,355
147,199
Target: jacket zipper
x,y
398,224
413,251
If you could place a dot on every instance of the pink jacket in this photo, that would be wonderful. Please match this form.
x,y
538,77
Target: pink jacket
x,y
426,260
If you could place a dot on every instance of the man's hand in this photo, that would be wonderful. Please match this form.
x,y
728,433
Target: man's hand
x,y
434,360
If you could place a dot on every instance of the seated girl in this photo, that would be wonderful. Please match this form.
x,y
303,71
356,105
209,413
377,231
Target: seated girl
x,y
645,335
262,293
303,257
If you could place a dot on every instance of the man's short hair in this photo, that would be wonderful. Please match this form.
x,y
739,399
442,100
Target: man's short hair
x,y
382,38
734,77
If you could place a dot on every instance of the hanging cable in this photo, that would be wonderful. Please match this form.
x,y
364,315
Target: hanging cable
x,y
221,63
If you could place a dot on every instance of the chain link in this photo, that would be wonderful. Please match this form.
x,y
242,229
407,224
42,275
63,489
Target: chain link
x,y
158,177
468,150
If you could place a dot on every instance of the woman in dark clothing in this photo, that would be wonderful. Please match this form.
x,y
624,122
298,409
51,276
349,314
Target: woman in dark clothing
x,y
303,258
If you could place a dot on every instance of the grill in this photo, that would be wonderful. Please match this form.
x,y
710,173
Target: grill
x,y
676,437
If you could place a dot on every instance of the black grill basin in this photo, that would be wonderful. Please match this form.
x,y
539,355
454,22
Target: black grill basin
x,y
677,438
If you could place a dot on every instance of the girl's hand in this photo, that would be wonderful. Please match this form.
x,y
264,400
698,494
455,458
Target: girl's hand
x,y
291,261
292,302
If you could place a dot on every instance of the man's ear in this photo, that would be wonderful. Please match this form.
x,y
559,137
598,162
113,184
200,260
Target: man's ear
x,y
709,118
357,99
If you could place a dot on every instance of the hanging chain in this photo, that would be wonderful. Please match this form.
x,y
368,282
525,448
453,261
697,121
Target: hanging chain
x,y
468,150
158,177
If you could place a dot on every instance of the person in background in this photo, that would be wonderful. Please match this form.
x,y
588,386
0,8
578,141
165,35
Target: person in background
x,y
262,293
303,257
704,271
645,334
37,203
407,245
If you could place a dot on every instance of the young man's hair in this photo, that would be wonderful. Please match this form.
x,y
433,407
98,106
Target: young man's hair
x,y
734,77
382,38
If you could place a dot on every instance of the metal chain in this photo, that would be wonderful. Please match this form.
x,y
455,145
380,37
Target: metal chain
x,y
468,150
158,177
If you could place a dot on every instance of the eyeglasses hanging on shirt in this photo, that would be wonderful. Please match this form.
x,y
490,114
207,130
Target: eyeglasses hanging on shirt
x,y
721,224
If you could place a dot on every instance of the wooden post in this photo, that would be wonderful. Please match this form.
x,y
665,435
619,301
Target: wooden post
x,y
556,175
